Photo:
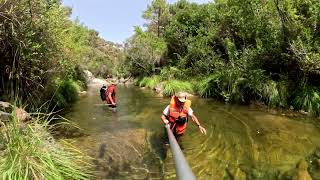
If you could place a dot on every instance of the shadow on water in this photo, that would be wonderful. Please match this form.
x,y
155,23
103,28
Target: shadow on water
x,y
242,142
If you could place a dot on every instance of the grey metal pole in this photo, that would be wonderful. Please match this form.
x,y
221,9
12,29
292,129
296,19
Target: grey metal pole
x,y
183,170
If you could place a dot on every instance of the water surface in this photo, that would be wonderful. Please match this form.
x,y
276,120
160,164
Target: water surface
x,y
242,142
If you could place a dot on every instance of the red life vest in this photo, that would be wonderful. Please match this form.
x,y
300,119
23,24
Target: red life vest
x,y
175,113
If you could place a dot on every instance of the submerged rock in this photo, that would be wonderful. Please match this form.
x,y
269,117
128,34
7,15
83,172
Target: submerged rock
x,y
118,154
314,164
302,171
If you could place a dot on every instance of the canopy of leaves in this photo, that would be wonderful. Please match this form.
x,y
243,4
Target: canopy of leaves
x,y
40,44
278,39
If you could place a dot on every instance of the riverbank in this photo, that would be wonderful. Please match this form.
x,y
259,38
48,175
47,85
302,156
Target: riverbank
x,y
167,88
29,151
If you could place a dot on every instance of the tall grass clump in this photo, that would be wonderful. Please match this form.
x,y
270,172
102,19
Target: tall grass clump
x,y
152,82
31,153
275,93
208,87
143,82
67,91
307,98
149,82
173,86
232,85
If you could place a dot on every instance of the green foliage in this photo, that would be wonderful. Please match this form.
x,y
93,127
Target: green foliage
x,y
170,87
158,14
275,94
104,58
153,81
39,44
149,82
238,50
231,86
307,98
66,92
168,73
31,153
143,81
208,87
144,52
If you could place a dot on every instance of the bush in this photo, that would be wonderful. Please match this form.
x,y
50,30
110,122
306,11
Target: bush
x,y
152,82
31,153
307,98
275,94
208,87
168,73
67,91
173,86
142,82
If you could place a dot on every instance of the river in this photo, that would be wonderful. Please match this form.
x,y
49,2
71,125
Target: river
x,y
242,142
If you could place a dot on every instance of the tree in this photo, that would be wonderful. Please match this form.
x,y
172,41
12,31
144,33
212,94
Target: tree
x,y
158,16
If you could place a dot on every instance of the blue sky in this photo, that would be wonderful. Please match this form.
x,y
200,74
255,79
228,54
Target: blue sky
x,y
114,20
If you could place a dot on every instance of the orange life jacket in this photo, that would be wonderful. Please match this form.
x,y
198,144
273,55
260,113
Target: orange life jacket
x,y
175,113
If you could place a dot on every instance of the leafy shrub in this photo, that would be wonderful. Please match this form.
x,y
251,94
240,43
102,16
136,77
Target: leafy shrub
x,y
67,92
208,87
275,93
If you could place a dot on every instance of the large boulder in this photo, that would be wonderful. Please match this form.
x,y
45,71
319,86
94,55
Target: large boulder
x,y
302,173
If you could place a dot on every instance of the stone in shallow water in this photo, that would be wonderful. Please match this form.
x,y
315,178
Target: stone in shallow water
x,y
119,154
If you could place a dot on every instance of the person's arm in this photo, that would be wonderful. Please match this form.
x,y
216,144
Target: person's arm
x,y
110,98
164,115
196,121
164,119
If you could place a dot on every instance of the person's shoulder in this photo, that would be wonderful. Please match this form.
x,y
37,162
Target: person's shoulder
x,y
111,88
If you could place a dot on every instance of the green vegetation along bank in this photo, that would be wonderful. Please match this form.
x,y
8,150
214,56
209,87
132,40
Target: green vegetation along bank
x,y
235,51
43,55
28,150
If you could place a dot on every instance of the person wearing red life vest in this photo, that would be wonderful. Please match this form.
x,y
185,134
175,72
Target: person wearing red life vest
x,y
111,94
177,112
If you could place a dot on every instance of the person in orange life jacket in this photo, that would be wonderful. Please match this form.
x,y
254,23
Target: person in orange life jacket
x,y
176,115
111,94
